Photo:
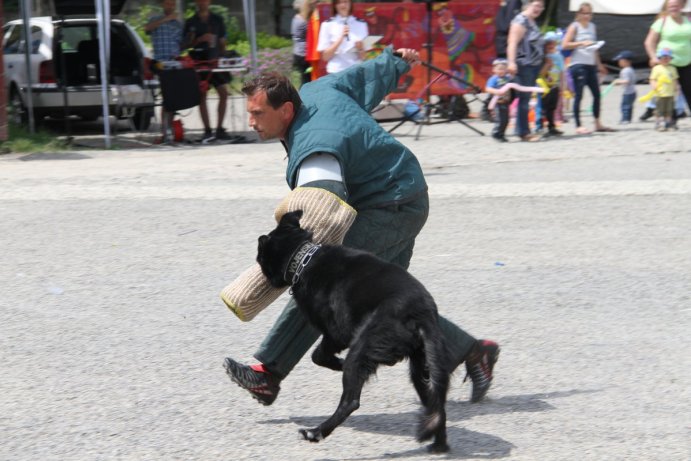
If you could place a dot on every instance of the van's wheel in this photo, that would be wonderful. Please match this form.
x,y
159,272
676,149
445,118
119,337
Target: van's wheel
x,y
17,113
142,118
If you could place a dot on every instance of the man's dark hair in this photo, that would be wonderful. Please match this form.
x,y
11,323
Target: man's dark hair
x,y
277,87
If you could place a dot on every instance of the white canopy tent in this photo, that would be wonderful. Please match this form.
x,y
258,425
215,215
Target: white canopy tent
x,y
103,15
102,10
629,7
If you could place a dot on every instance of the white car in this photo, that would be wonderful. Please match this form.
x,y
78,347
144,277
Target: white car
x,y
65,68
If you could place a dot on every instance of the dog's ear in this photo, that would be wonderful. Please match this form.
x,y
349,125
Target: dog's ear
x,y
291,219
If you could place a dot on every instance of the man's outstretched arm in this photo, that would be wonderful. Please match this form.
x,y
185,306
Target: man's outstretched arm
x,y
368,83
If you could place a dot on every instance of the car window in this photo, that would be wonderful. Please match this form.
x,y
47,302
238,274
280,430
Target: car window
x,y
14,44
36,38
13,41
71,36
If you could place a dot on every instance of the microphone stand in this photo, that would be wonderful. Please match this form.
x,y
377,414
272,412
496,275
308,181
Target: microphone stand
x,y
431,67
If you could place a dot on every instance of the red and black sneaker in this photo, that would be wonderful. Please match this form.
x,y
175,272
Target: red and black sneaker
x,y
479,366
256,379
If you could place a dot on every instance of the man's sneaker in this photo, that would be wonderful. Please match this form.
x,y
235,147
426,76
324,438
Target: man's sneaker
x,y
208,137
479,366
222,135
255,379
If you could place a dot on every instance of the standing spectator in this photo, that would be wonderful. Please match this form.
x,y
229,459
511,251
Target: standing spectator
x,y
627,77
206,33
672,30
340,38
499,78
665,82
551,74
166,37
166,32
298,31
525,54
581,37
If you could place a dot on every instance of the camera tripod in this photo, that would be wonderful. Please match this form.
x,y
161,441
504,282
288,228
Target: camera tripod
x,y
428,107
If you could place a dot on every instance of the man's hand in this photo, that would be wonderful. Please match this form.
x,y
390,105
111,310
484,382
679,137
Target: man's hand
x,y
409,55
208,38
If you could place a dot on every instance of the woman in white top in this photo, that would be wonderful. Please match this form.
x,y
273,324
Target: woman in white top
x,y
581,37
340,38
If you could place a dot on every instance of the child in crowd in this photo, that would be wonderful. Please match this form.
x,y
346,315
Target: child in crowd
x,y
665,82
551,80
627,77
499,78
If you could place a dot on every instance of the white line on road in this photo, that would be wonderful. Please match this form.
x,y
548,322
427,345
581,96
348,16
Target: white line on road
x,y
239,191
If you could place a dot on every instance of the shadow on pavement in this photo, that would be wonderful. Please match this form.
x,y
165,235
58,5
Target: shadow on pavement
x,y
89,135
464,443
53,156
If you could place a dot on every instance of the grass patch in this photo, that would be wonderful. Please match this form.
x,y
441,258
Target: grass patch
x,y
21,140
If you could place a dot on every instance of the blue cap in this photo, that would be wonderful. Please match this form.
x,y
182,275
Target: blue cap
x,y
626,54
665,52
551,36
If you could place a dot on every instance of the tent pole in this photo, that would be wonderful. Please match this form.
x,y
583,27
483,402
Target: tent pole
x,y
63,77
103,29
25,6
251,29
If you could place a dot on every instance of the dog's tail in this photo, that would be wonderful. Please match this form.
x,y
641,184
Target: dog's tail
x,y
433,421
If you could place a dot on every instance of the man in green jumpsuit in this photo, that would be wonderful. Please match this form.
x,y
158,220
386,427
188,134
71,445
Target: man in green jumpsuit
x,y
334,144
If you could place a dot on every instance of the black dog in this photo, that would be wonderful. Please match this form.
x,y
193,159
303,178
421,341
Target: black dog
x,y
376,309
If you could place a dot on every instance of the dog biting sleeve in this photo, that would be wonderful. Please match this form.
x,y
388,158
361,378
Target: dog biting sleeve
x,y
324,214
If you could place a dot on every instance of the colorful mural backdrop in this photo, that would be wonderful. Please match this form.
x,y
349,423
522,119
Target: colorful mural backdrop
x,y
461,31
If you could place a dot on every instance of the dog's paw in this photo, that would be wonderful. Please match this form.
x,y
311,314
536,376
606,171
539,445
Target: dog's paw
x,y
313,435
438,448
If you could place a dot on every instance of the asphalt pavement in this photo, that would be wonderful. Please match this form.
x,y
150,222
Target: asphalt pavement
x,y
573,253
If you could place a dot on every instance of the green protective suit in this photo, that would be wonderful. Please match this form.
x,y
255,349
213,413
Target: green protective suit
x,y
383,181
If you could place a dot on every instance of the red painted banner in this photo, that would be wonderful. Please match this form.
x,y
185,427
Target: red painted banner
x,y
461,33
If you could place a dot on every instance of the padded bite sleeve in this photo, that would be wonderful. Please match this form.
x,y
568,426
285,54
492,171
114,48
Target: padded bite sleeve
x,y
324,214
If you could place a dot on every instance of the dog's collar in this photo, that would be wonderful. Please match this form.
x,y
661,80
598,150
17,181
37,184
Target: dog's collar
x,y
298,261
